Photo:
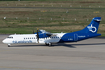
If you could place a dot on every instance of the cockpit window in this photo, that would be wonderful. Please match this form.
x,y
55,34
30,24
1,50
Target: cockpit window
x,y
9,37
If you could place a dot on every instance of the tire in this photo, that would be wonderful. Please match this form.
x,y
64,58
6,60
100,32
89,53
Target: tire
x,y
9,45
46,44
50,44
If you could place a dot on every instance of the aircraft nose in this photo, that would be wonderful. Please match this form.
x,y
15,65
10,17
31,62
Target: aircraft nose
x,y
4,41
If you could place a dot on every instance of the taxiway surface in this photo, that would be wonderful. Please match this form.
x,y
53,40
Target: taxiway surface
x,y
84,55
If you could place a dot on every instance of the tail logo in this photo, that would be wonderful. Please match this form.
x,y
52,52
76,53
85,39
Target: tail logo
x,y
92,28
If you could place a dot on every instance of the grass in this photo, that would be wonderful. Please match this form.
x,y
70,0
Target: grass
x,y
63,20
54,0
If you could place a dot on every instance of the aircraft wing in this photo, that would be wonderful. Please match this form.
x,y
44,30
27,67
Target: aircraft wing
x,y
47,33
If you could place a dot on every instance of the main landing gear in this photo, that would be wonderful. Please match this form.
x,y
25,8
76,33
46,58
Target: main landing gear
x,y
48,44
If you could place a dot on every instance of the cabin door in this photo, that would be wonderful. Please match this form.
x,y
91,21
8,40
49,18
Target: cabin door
x,y
75,37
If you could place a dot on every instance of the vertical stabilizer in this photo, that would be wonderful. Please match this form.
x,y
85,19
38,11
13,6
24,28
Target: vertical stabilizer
x,y
92,28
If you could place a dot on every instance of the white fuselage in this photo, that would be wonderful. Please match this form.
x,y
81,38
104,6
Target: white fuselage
x,y
31,38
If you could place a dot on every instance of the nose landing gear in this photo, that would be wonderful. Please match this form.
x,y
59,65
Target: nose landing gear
x,y
9,45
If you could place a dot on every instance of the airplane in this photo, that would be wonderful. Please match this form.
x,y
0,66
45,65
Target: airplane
x,y
47,38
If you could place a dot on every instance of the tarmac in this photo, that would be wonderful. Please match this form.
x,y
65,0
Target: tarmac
x,y
83,55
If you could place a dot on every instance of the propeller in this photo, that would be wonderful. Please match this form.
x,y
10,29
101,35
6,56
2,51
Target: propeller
x,y
37,35
33,32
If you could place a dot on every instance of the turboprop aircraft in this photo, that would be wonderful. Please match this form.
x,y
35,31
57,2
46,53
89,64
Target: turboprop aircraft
x,y
47,38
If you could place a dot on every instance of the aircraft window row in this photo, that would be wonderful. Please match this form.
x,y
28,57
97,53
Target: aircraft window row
x,y
29,38
52,37
9,37
42,38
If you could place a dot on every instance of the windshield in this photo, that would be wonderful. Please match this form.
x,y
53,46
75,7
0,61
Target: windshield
x,y
10,37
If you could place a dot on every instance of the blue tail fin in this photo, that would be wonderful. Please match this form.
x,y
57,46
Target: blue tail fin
x,y
92,28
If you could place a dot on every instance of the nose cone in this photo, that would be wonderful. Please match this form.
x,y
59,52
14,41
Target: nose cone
x,y
4,41
7,41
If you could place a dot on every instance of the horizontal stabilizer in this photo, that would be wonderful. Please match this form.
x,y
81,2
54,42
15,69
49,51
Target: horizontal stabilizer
x,y
97,19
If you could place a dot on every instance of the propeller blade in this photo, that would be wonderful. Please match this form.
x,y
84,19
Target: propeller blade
x,y
33,32
37,35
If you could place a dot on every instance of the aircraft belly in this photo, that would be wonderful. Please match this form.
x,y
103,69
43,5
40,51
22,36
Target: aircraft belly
x,y
52,40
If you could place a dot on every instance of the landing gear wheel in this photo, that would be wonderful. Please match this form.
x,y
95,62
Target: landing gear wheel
x,y
9,45
50,44
46,44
